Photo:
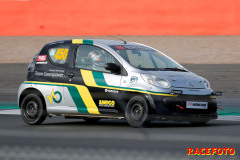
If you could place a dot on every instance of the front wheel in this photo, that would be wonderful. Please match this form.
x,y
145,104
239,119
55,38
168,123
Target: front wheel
x,y
136,112
33,110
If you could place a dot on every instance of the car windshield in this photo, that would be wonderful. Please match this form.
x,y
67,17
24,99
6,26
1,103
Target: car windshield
x,y
146,58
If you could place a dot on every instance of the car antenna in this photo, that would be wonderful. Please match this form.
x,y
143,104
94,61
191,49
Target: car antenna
x,y
125,42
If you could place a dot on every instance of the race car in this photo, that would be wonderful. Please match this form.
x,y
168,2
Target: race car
x,y
98,79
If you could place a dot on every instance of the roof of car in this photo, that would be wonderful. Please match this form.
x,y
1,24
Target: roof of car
x,y
89,41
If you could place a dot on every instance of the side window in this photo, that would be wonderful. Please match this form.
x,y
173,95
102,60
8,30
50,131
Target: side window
x,y
93,58
59,54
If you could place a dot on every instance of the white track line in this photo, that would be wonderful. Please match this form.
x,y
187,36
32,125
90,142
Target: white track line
x,y
229,118
11,112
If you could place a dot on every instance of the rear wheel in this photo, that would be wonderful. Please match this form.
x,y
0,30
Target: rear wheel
x,y
33,110
136,112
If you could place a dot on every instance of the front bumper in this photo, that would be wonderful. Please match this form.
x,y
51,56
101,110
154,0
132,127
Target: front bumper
x,y
174,108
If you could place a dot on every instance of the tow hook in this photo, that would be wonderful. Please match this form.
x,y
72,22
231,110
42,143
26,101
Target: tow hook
x,y
179,106
220,108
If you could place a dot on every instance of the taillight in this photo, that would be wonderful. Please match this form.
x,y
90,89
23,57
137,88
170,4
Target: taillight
x,y
31,65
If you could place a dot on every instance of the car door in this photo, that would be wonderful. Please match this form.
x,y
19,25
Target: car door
x,y
93,88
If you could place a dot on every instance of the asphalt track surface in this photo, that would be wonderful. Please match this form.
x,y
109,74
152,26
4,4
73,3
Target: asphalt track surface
x,y
59,138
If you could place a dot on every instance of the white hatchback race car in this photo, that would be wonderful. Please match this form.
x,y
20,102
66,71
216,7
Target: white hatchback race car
x,y
96,79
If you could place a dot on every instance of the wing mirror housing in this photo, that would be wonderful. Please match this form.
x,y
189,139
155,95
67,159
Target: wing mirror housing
x,y
113,68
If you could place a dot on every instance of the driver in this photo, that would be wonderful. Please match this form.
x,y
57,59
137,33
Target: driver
x,y
97,59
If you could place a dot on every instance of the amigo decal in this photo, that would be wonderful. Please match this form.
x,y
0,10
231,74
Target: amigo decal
x,y
106,103
56,99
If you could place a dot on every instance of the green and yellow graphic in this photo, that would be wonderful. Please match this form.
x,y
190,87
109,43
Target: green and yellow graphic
x,y
53,97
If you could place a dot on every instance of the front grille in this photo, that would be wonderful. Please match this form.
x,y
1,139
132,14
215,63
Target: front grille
x,y
194,97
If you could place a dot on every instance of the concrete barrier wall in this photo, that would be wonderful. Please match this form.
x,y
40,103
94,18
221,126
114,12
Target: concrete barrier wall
x,y
124,17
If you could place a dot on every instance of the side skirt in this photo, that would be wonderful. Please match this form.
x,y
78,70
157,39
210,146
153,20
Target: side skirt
x,y
79,116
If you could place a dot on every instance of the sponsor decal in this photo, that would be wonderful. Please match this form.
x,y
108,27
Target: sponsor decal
x,y
61,54
111,91
176,92
197,105
120,47
194,90
133,80
211,151
77,41
56,70
42,58
106,103
41,62
55,96
47,74
137,47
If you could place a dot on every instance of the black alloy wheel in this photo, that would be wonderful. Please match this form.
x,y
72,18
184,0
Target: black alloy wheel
x,y
136,112
32,109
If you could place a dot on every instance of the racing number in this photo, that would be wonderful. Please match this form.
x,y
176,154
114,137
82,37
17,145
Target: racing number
x,y
61,54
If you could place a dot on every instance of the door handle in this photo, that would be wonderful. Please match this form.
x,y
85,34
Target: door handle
x,y
70,75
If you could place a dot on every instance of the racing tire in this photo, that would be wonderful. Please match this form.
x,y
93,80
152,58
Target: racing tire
x,y
136,112
91,120
33,110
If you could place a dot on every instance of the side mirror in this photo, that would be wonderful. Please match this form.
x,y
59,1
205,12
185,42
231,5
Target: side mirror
x,y
112,67
217,93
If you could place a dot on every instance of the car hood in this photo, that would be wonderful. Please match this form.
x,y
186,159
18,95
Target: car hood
x,y
180,79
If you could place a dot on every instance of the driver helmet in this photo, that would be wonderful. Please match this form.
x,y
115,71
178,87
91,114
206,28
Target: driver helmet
x,y
97,58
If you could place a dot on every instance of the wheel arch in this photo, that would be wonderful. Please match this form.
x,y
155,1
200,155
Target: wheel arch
x,y
127,97
28,91
150,101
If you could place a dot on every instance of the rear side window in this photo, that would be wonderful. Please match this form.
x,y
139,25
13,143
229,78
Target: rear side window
x,y
59,54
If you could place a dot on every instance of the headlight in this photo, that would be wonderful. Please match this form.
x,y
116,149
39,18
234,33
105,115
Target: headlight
x,y
206,83
155,80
